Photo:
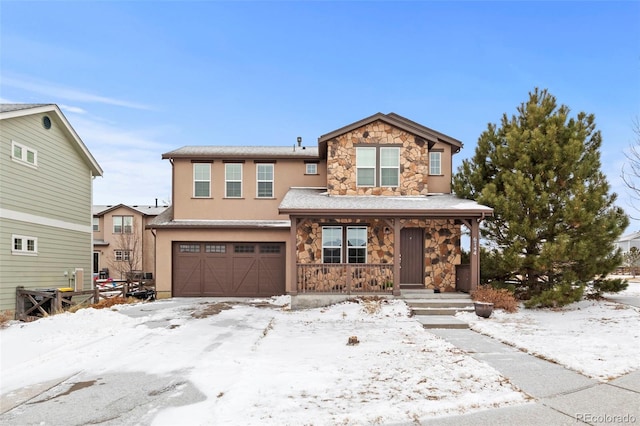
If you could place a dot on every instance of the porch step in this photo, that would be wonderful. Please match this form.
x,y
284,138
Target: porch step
x,y
442,303
429,294
441,321
440,311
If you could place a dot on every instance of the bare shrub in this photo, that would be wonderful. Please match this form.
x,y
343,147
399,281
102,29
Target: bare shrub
x,y
5,317
500,297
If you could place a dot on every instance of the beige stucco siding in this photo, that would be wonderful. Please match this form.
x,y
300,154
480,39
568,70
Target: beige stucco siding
x,y
442,183
287,173
166,238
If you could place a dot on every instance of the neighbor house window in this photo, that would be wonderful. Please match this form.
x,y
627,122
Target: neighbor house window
x,y
435,163
389,166
24,154
122,224
202,180
233,180
332,244
96,223
21,244
123,255
264,174
365,166
312,169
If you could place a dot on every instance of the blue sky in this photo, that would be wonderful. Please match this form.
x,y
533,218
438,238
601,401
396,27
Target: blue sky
x,y
140,78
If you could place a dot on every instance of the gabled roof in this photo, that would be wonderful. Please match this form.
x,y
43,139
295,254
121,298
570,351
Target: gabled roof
x,y
8,111
397,121
317,201
630,237
234,152
145,210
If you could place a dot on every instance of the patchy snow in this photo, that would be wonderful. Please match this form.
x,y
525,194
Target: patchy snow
x,y
599,339
263,363
257,362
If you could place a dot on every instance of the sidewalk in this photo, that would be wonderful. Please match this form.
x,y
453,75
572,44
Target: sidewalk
x,y
560,396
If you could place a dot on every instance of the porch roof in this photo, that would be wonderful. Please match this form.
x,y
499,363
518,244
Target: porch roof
x,y
314,201
166,220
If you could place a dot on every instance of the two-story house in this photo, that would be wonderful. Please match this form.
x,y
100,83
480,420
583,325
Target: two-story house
x,y
46,184
369,210
121,241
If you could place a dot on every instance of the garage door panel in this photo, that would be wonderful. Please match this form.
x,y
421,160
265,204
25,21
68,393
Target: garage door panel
x,y
218,269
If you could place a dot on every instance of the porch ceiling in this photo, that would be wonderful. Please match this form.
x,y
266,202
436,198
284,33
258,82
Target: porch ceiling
x,y
314,201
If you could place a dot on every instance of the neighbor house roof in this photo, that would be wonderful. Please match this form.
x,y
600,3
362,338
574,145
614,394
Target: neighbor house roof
x,y
147,210
253,152
318,201
397,121
630,237
20,110
165,220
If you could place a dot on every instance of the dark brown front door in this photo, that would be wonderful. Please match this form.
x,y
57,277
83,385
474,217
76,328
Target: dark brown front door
x,y
411,251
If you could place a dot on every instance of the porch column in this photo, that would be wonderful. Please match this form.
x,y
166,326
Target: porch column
x,y
397,256
475,254
293,256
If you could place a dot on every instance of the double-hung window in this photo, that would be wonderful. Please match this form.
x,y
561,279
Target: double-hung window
x,y
96,224
122,255
264,173
366,166
435,163
202,180
122,224
233,180
24,154
21,244
371,159
333,250
389,166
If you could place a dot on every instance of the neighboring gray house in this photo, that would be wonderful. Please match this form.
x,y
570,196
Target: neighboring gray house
x,y
46,175
626,242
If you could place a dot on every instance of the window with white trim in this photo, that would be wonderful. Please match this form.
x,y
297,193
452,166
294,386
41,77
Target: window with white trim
x,y
333,238
122,255
435,163
96,224
365,166
21,244
24,154
201,180
233,180
264,184
389,166
311,169
122,224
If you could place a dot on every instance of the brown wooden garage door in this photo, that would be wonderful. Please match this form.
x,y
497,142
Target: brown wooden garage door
x,y
228,269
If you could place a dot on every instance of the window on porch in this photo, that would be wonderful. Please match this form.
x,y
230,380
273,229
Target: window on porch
x,y
333,238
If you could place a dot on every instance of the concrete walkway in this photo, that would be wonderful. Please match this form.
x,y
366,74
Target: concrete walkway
x,y
560,396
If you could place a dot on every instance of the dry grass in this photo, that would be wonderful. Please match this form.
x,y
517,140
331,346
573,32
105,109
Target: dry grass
x,y
105,303
5,317
501,298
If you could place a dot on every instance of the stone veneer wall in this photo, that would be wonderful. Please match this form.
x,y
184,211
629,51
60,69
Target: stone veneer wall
x,y
414,161
441,252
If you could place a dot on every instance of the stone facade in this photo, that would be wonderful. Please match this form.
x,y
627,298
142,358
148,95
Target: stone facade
x,y
441,255
414,161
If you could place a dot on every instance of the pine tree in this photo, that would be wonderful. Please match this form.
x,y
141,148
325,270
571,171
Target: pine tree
x,y
554,218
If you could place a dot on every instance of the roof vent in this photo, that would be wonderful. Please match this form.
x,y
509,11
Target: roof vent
x,y
46,122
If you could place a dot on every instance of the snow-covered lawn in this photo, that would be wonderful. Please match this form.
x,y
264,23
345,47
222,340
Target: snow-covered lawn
x,y
260,363
266,364
599,339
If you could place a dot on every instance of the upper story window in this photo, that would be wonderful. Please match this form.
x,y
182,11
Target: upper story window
x,y
233,180
264,174
333,238
370,159
366,166
122,224
24,154
202,180
435,163
96,224
311,168
21,244
389,166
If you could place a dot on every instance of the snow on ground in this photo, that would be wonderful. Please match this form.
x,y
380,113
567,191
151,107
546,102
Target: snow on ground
x,y
599,339
264,364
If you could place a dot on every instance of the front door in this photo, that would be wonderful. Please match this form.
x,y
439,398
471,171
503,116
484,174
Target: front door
x,y
411,251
